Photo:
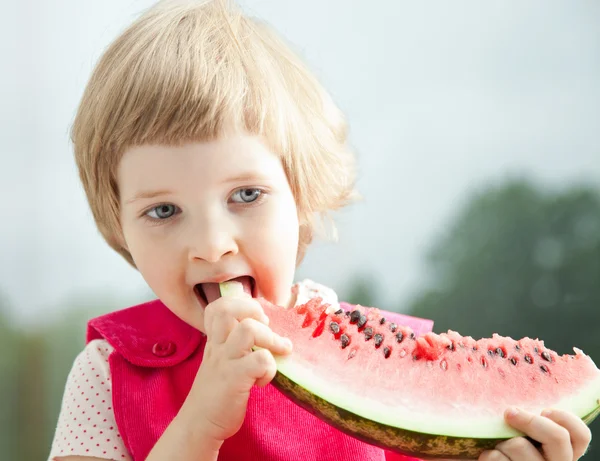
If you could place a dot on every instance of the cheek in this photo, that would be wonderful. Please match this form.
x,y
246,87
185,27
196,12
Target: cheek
x,y
150,258
274,247
281,237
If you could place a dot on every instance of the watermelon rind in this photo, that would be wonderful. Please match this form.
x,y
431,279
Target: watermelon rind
x,y
591,416
400,429
388,437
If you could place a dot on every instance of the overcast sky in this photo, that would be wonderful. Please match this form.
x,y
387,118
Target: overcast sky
x,y
441,97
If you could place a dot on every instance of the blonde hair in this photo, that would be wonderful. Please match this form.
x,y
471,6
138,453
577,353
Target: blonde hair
x,y
190,71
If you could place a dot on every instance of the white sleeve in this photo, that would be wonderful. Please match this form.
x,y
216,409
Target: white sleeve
x,y
86,423
308,289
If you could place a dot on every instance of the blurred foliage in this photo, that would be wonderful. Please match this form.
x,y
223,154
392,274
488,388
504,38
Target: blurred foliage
x,y
9,366
517,259
520,261
34,364
362,290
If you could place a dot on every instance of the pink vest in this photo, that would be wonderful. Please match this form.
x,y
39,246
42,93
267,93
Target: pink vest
x,y
153,366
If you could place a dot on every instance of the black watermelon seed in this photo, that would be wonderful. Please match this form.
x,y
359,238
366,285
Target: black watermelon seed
x,y
339,311
475,348
355,316
517,347
381,320
546,356
450,346
386,352
347,313
490,352
345,340
378,340
334,327
513,360
536,350
544,368
500,352
368,333
393,327
528,358
484,362
399,337
362,321
412,336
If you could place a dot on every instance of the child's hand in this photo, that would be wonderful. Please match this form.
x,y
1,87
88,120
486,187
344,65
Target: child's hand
x,y
230,367
563,436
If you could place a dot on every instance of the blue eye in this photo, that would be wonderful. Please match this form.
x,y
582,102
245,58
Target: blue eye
x,y
165,211
246,195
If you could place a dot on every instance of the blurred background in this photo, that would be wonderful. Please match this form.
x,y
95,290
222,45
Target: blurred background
x,y
477,129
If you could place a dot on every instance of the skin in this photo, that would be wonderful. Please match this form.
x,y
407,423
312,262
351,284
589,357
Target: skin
x,y
185,221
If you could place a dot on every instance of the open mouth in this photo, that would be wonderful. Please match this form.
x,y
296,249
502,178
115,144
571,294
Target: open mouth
x,y
209,292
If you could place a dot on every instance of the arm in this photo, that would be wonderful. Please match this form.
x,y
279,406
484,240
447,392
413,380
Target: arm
x,y
215,407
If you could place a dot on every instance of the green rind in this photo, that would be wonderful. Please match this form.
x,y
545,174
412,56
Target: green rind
x,y
392,438
396,439
591,416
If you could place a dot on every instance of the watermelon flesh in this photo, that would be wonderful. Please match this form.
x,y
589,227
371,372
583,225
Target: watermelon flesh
x,y
435,395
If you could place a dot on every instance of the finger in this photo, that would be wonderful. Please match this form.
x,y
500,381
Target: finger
x,y
249,333
580,434
493,455
519,448
555,439
221,316
260,366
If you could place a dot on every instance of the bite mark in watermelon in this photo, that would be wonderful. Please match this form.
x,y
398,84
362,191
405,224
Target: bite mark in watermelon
x,y
436,395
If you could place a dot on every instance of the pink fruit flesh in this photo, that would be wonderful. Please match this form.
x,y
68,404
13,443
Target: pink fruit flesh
x,y
432,372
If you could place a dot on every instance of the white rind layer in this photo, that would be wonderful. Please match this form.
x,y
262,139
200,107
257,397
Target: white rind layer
x,y
457,424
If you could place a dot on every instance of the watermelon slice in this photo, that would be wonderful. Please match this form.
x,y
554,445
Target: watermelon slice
x,y
434,396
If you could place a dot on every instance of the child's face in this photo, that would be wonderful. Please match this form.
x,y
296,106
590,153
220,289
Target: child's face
x,y
208,212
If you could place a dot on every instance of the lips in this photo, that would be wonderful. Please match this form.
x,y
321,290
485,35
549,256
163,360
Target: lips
x,y
208,292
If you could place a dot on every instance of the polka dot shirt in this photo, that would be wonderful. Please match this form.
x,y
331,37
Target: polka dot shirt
x,y
86,424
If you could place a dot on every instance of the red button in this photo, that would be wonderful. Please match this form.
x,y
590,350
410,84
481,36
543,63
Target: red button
x,y
164,348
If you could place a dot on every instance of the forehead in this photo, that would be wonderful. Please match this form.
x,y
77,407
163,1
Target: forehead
x,y
203,162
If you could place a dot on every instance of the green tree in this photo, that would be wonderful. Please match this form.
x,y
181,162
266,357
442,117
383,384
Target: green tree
x,y
521,261
8,382
361,290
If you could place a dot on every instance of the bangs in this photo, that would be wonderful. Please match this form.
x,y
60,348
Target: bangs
x,y
206,72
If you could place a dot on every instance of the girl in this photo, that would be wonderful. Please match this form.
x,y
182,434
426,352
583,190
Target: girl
x,y
207,152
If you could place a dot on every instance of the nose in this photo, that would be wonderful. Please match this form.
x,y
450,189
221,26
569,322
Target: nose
x,y
212,239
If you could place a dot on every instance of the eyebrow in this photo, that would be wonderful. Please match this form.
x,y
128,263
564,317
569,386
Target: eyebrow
x,y
245,176
147,195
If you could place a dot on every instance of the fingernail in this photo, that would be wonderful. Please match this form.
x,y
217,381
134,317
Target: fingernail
x,y
546,412
512,412
287,343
